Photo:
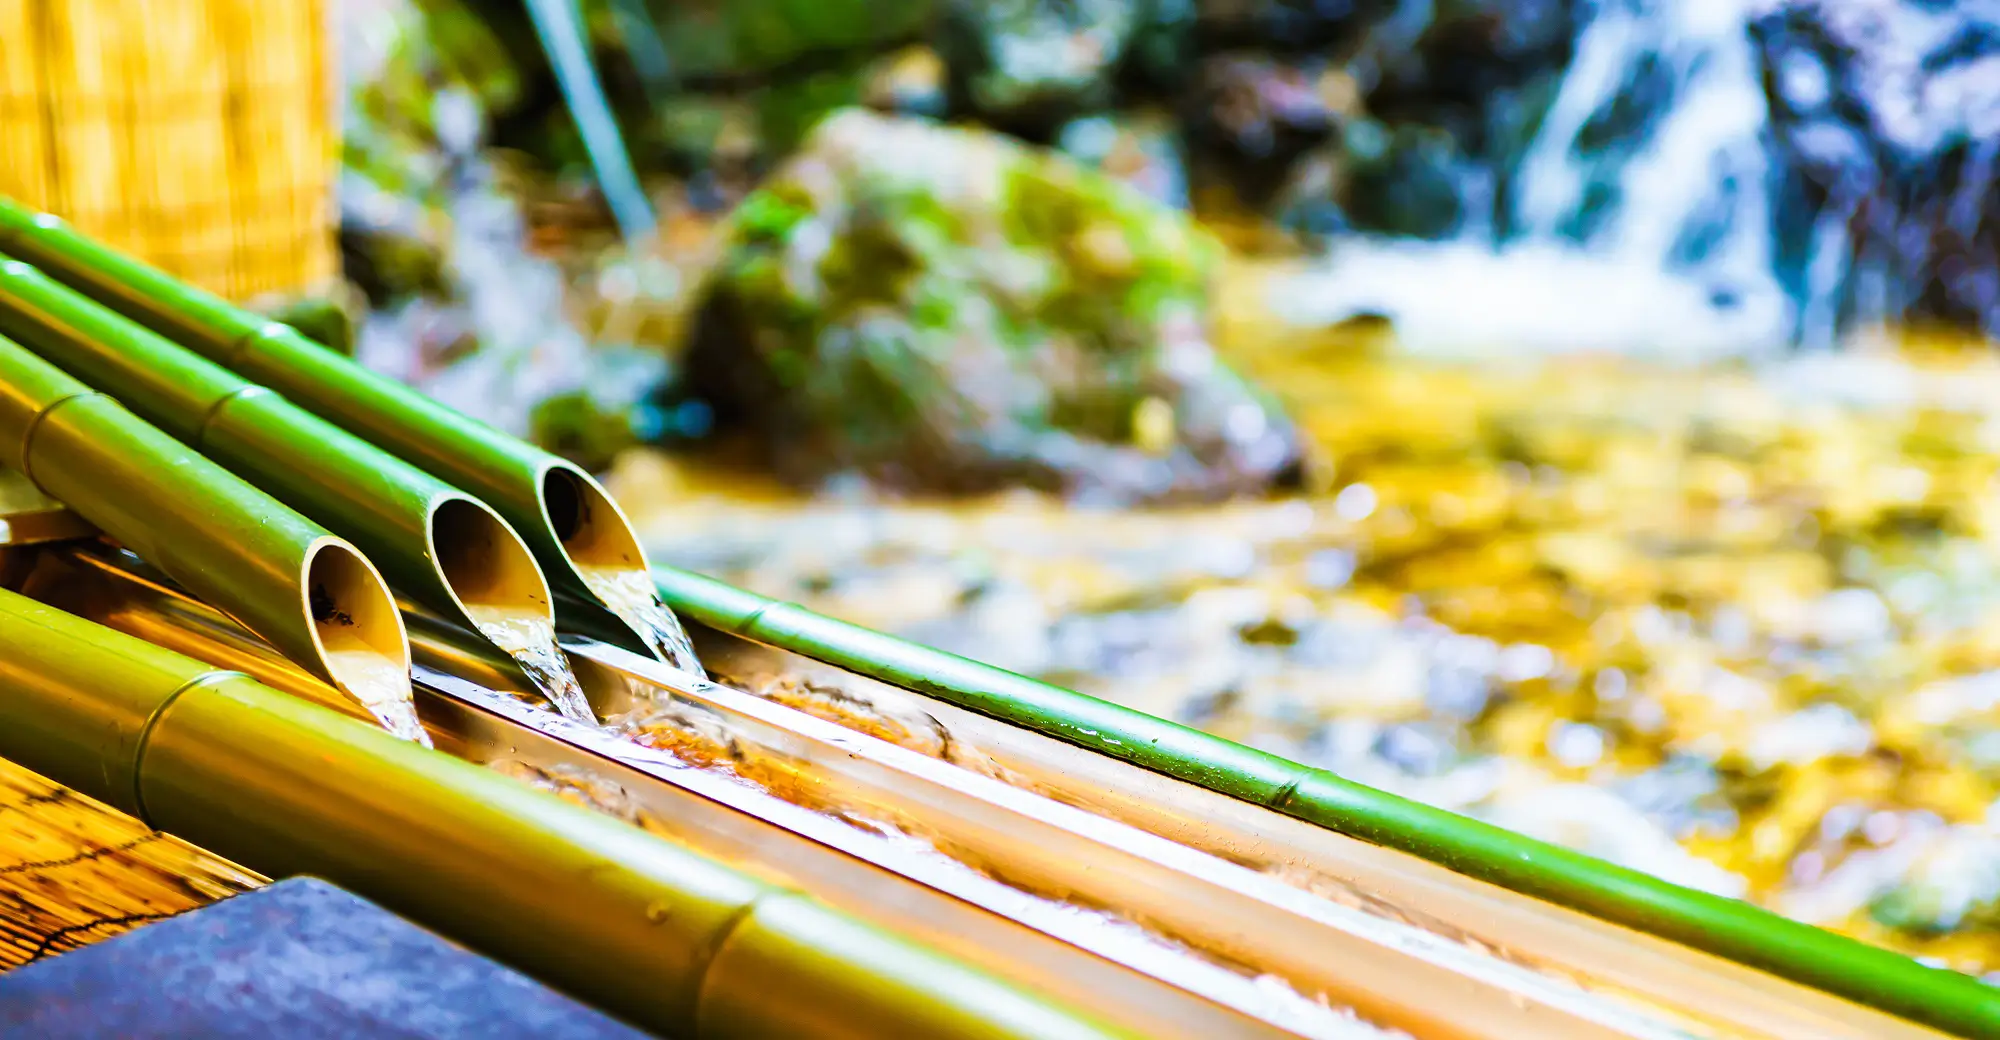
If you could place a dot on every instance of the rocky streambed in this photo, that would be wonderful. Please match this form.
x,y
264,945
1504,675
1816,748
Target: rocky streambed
x,y
1736,626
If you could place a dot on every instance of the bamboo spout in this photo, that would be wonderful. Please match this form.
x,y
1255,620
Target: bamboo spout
x,y
311,594
582,539
445,548
124,593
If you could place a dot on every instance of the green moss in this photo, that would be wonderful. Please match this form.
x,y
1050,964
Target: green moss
x,y
953,338
770,214
875,382
1038,207
322,319
574,426
870,264
932,306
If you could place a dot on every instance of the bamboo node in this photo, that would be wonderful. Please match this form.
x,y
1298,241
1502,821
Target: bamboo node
x,y
26,462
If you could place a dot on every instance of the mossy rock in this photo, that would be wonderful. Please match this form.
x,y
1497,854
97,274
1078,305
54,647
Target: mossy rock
x,y
947,309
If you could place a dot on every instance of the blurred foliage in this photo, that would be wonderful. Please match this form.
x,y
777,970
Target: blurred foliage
x,y
1733,627
578,427
323,319
723,39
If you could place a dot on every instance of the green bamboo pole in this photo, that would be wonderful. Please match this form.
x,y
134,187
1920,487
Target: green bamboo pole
x,y
641,927
1725,927
582,539
448,550
1729,928
312,595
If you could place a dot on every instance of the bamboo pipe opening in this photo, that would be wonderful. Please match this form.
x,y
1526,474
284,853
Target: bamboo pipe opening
x,y
592,529
485,565
604,550
359,633
489,572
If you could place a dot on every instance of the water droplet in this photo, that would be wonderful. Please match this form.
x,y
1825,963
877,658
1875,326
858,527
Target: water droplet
x,y
1356,502
531,642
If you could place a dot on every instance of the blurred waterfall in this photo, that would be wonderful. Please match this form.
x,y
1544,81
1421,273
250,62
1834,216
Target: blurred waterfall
x,y
1639,218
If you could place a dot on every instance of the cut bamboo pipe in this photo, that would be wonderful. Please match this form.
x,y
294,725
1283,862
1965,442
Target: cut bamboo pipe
x,y
1385,977
312,595
579,535
637,925
1716,999
124,593
448,550
113,589
492,729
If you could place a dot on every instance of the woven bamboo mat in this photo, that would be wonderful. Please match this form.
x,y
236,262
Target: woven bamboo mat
x,y
74,871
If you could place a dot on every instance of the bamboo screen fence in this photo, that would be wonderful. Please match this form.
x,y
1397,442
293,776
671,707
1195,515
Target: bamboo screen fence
x,y
198,134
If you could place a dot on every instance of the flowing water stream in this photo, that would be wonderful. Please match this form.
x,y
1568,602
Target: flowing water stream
x,y
630,595
376,682
531,642
702,741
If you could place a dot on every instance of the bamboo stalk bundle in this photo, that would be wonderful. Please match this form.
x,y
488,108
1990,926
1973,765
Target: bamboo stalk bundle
x,y
582,539
1711,1000
311,594
125,594
638,925
196,133
445,548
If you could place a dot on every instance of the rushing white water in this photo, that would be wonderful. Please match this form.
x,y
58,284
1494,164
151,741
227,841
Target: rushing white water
x,y
1640,219
630,595
531,642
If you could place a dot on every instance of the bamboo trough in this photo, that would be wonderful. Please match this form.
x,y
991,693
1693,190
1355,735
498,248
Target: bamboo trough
x,y
1170,817
638,925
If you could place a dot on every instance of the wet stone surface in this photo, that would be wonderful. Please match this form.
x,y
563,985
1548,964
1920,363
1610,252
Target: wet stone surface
x,y
300,958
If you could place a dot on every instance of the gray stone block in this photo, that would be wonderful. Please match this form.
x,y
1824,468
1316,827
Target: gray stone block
x,y
301,959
